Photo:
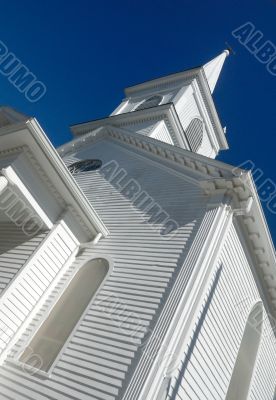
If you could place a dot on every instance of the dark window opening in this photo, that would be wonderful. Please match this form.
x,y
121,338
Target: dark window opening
x,y
150,102
84,166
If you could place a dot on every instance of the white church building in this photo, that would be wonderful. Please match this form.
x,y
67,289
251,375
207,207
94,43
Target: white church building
x,y
133,264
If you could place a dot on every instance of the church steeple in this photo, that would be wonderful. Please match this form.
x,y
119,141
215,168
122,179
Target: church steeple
x,y
213,69
177,109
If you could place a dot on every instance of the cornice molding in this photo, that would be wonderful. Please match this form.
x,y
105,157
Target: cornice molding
x,y
197,163
37,151
19,150
246,208
13,150
165,112
164,82
83,209
43,176
215,178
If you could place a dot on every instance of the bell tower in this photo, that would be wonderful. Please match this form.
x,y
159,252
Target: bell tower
x,y
189,94
177,109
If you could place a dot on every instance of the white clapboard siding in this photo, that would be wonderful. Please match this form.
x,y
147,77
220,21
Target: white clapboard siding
x,y
23,294
206,148
208,362
160,132
103,351
187,109
15,249
144,128
198,138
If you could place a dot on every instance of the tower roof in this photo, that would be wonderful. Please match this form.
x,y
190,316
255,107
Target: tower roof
x,y
213,68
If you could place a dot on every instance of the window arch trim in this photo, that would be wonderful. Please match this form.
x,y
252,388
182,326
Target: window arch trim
x,y
47,374
148,100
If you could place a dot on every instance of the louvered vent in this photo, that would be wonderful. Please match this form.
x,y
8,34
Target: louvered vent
x,y
150,102
194,134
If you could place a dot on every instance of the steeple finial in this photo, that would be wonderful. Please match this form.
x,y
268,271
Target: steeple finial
x,y
213,68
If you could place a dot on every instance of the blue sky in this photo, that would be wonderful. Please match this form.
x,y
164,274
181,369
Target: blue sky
x,y
86,53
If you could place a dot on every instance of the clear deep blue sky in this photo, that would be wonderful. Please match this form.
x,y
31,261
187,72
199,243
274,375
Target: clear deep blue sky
x,y
87,52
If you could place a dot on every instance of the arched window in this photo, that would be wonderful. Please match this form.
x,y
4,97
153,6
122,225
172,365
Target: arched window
x,y
54,332
194,134
150,102
247,355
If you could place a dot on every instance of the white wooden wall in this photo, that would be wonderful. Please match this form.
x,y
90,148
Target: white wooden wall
x,y
208,362
206,148
32,282
161,133
100,356
144,128
98,360
187,109
157,130
15,249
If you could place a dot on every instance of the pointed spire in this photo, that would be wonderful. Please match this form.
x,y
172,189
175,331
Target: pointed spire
x,y
213,68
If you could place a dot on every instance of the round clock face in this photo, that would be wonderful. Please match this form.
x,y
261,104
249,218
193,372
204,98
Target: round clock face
x,y
84,166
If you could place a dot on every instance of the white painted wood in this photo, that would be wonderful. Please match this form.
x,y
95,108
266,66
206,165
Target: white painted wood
x,y
209,359
26,291
136,248
168,320
161,132
15,250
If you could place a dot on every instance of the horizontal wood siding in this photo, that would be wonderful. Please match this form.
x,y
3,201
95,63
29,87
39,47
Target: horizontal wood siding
x,y
208,362
102,353
161,133
33,281
144,128
206,148
187,109
15,249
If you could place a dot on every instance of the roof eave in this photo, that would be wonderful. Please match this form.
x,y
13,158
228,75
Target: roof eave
x,y
167,79
79,199
42,149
